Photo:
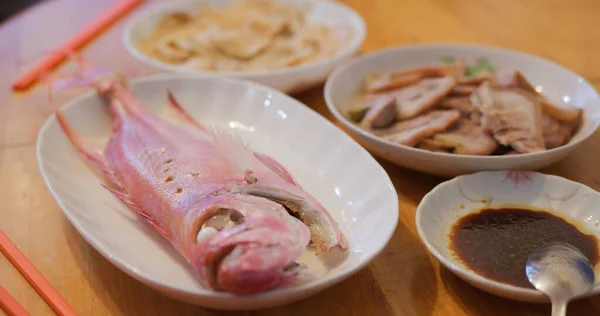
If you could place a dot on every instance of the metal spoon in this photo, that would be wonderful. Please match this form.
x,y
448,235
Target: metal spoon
x,y
560,271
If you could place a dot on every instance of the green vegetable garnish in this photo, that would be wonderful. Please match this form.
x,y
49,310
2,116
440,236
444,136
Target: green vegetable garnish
x,y
483,64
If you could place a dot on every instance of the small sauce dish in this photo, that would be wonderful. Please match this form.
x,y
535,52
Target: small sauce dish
x,y
457,200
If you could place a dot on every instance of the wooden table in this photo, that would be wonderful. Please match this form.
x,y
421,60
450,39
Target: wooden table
x,y
403,280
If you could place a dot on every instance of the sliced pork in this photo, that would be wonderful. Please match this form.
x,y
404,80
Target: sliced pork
x,y
561,114
460,108
462,104
514,79
419,98
410,132
404,78
557,133
381,114
466,138
463,89
393,81
513,116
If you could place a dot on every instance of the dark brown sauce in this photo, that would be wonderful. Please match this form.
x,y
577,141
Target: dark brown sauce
x,y
495,243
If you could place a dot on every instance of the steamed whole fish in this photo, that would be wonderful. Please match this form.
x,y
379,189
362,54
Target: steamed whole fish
x,y
238,217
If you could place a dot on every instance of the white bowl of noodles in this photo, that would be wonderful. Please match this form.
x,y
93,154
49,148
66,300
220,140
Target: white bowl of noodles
x,y
268,47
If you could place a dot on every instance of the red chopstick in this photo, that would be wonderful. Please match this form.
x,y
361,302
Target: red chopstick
x,y
34,277
93,29
9,305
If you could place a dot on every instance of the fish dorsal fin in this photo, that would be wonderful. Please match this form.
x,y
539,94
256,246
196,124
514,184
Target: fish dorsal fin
x,y
233,148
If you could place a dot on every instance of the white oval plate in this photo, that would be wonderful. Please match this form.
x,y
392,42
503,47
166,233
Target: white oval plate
x,y
314,150
556,82
288,80
453,199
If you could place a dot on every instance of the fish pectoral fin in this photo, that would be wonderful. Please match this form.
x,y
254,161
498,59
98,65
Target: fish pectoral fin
x,y
93,156
183,114
277,168
233,148
125,199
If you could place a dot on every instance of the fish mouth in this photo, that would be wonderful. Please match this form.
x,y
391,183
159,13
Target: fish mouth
x,y
216,220
231,261
323,233
245,282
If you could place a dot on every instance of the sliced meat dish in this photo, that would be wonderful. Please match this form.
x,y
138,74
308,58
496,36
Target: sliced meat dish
x,y
466,138
419,98
514,79
461,89
432,145
475,116
357,111
561,114
393,81
462,104
557,133
513,116
404,78
381,114
410,132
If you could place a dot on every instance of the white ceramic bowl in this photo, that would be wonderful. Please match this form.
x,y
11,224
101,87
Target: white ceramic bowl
x,y
270,122
288,80
451,200
557,83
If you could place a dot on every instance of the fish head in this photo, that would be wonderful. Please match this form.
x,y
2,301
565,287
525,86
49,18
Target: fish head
x,y
246,245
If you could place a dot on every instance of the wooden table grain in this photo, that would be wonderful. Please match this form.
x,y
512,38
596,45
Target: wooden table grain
x,y
403,280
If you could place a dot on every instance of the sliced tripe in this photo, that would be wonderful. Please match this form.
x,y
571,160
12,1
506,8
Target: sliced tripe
x,y
466,138
423,96
513,116
410,132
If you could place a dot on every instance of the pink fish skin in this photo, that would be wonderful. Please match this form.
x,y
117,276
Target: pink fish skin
x,y
225,208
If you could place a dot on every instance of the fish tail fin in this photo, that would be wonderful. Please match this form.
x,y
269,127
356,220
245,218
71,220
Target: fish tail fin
x,y
84,75
116,92
92,155
134,207
233,148
184,115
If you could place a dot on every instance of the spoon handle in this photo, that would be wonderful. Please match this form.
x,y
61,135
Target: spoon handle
x,y
559,308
